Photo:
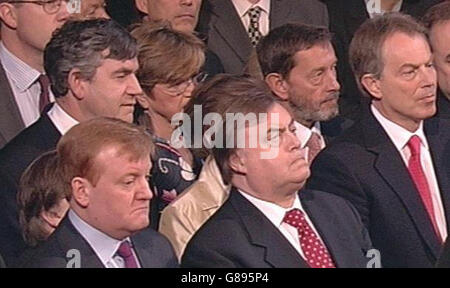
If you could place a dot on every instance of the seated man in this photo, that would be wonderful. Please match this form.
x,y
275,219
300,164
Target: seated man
x,y
393,165
43,199
91,65
266,222
105,163
299,65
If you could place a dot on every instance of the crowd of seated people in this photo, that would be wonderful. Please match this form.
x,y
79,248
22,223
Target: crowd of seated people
x,y
224,133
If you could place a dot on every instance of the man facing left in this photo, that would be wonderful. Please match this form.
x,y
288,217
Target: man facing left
x,y
105,162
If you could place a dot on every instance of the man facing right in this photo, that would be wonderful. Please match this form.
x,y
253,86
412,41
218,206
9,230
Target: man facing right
x,y
392,165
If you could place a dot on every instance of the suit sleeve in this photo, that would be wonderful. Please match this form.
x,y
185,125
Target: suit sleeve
x,y
331,174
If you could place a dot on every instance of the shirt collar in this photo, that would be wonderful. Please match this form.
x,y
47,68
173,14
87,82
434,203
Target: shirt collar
x,y
21,74
272,211
104,246
61,119
304,133
242,6
399,135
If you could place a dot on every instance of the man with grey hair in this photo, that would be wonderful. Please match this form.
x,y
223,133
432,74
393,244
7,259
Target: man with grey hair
x,y
91,65
393,164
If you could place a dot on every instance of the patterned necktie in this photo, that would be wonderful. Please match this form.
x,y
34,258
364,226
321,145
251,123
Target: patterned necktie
x,y
315,252
314,146
126,253
44,97
420,180
253,29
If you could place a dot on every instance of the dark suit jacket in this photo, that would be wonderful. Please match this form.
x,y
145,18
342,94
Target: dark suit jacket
x,y
239,235
11,122
40,137
443,106
363,166
228,38
345,18
152,249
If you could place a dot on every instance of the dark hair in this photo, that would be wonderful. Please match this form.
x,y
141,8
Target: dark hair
x,y
276,50
83,45
366,47
229,94
41,188
437,13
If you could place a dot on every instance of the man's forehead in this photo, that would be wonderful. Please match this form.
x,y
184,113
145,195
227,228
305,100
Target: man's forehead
x,y
114,65
400,47
310,56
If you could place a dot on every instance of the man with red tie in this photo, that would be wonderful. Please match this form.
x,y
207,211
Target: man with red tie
x,y
266,222
106,164
393,164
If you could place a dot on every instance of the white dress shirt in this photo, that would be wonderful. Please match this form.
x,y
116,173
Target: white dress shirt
x,y
61,119
304,133
24,84
400,138
104,246
276,215
373,10
242,7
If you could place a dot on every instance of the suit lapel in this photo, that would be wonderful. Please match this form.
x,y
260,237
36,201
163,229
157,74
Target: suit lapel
x,y
392,169
12,121
278,251
69,238
143,246
329,232
230,27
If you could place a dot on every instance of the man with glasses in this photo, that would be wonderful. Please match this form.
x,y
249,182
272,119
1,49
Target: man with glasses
x,y
26,28
92,66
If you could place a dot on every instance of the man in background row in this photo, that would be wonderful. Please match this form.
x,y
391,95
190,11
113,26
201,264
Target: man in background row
x,y
25,30
437,20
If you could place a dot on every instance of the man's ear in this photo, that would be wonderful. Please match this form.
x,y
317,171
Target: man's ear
x,y
81,189
142,5
237,162
8,15
372,85
77,84
51,218
278,85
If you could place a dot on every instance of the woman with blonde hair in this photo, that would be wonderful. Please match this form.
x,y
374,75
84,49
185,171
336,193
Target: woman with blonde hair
x,y
169,65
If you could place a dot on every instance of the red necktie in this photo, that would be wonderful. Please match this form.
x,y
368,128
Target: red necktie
x,y
420,180
314,146
126,253
44,98
315,252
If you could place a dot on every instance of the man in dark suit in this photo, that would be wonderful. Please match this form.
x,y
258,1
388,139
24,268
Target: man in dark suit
x,y
345,18
392,165
265,222
107,224
183,16
86,84
299,65
23,39
437,20
226,24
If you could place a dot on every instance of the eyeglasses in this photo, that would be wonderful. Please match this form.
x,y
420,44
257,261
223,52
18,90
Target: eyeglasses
x,y
50,6
179,89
